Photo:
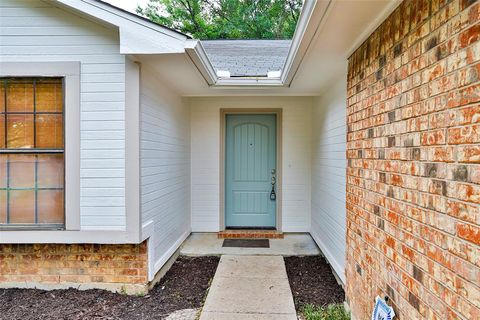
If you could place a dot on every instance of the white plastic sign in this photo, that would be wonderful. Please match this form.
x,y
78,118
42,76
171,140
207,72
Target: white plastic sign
x,y
382,310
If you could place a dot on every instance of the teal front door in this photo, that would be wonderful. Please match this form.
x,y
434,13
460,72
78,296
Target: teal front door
x,y
250,171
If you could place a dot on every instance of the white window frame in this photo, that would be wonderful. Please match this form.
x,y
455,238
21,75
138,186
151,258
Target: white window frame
x,y
70,71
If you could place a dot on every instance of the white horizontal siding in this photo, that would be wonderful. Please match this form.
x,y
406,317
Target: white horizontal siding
x,y
164,165
32,31
329,175
205,138
296,168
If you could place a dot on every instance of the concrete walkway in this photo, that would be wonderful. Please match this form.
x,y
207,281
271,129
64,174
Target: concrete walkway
x,y
250,288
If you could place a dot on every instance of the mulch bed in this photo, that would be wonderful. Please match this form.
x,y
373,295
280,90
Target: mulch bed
x,y
183,287
312,281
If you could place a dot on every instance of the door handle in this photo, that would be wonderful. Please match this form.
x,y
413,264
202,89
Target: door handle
x,y
273,195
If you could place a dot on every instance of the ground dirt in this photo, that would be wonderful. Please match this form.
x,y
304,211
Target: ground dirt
x,y
312,282
183,287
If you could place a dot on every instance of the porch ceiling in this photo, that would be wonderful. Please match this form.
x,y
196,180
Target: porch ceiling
x,y
342,29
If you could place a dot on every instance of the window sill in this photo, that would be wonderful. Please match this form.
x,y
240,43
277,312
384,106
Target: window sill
x,y
68,236
28,227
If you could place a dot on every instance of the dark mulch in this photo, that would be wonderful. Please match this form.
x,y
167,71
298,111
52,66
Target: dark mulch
x,y
312,281
184,286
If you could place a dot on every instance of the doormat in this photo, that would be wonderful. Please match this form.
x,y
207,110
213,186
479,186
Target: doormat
x,y
246,243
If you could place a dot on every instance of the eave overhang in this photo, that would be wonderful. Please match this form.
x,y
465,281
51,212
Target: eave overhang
x,y
137,34
313,12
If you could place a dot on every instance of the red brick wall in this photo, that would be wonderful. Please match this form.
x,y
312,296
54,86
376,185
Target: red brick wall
x,y
413,177
54,264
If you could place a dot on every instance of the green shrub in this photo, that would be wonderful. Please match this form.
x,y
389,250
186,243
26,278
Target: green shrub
x,y
330,312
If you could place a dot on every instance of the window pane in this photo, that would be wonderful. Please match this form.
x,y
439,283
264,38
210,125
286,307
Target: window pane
x,y
22,171
49,95
19,131
3,170
3,206
50,206
49,131
22,206
50,172
20,95
31,184
2,96
2,131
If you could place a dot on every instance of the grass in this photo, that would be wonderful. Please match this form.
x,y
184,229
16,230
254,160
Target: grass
x,y
330,312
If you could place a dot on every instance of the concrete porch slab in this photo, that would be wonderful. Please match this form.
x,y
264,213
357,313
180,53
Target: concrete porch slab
x,y
293,244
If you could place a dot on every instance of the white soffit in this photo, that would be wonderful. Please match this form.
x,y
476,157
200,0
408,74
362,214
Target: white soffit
x,y
137,35
347,25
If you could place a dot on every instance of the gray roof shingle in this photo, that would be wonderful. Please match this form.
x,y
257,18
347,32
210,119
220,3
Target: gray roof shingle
x,y
247,58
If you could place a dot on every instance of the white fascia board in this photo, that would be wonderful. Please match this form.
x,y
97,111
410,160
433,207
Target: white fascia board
x,y
137,36
249,82
198,56
308,26
311,17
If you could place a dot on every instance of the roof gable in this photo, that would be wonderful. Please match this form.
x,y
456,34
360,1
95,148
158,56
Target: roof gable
x,y
137,34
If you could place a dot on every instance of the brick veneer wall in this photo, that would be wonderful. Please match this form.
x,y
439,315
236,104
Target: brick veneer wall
x,y
108,266
413,177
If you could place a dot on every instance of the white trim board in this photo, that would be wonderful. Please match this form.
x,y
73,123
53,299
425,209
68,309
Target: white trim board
x,y
148,233
164,258
330,258
132,148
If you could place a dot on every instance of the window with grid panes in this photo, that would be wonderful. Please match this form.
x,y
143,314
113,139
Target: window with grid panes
x,y
32,150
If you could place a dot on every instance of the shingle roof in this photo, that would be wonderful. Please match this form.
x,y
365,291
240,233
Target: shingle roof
x,y
247,57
